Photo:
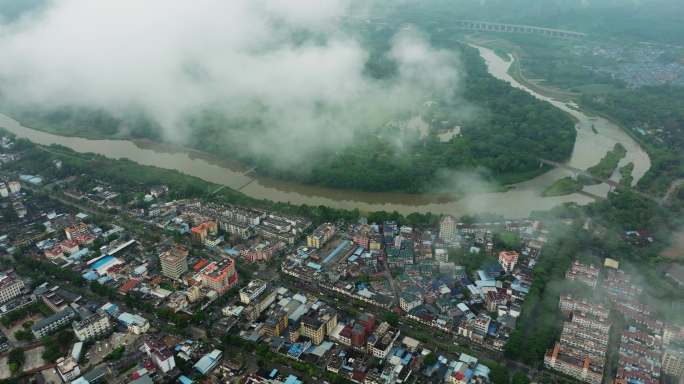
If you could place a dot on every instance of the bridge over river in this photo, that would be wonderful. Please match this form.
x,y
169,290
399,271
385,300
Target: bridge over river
x,y
613,184
486,26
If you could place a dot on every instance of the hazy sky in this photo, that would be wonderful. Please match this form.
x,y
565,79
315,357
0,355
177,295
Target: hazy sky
x,y
171,58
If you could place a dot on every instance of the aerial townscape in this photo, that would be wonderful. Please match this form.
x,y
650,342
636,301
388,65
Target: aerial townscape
x,y
342,191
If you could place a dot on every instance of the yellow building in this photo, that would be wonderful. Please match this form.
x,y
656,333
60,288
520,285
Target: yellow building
x,y
276,324
317,325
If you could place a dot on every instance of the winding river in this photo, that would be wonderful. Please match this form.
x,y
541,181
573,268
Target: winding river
x,y
518,201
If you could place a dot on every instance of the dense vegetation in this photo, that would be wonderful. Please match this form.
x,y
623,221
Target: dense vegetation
x,y
506,137
655,116
564,186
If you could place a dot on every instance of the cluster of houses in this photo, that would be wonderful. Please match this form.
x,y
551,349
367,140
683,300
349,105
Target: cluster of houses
x,y
400,268
648,348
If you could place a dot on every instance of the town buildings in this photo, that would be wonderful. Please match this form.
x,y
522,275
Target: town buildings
x,y
587,274
174,262
52,323
219,276
581,350
10,287
94,326
321,235
508,260
448,230
673,361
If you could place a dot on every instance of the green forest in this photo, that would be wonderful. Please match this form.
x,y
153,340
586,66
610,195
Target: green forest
x,y
506,138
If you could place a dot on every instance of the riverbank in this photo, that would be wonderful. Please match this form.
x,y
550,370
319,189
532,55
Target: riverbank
x,y
516,202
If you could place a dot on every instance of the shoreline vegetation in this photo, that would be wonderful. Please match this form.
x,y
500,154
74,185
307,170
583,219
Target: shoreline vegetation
x,y
603,170
651,115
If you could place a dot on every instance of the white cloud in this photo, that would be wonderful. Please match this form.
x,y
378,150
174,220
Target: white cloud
x,y
171,58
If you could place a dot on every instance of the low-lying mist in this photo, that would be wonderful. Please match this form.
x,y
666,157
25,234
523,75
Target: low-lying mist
x,y
284,71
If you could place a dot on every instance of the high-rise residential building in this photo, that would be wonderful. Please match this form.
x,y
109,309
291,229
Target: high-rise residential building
x,y
174,262
10,287
448,230
220,275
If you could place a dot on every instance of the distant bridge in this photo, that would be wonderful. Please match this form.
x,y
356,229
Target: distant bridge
x,y
486,26
613,184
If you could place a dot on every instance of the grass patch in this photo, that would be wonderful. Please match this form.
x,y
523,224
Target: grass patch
x,y
564,186
626,177
605,168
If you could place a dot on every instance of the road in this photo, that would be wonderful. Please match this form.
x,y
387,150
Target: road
x,y
393,283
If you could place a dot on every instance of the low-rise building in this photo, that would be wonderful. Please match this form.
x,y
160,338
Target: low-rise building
x,y
673,361
68,369
252,291
10,287
587,274
508,260
160,355
581,368
409,301
321,235
52,323
92,327
220,276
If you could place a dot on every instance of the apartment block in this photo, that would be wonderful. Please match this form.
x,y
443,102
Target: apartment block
x,y
92,327
587,274
673,361
174,262
321,235
252,291
584,369
318,323
220,275
52,323
10,287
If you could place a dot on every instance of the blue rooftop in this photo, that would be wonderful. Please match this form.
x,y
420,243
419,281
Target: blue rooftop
x,y
336,251
185,380
292,380
101,262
